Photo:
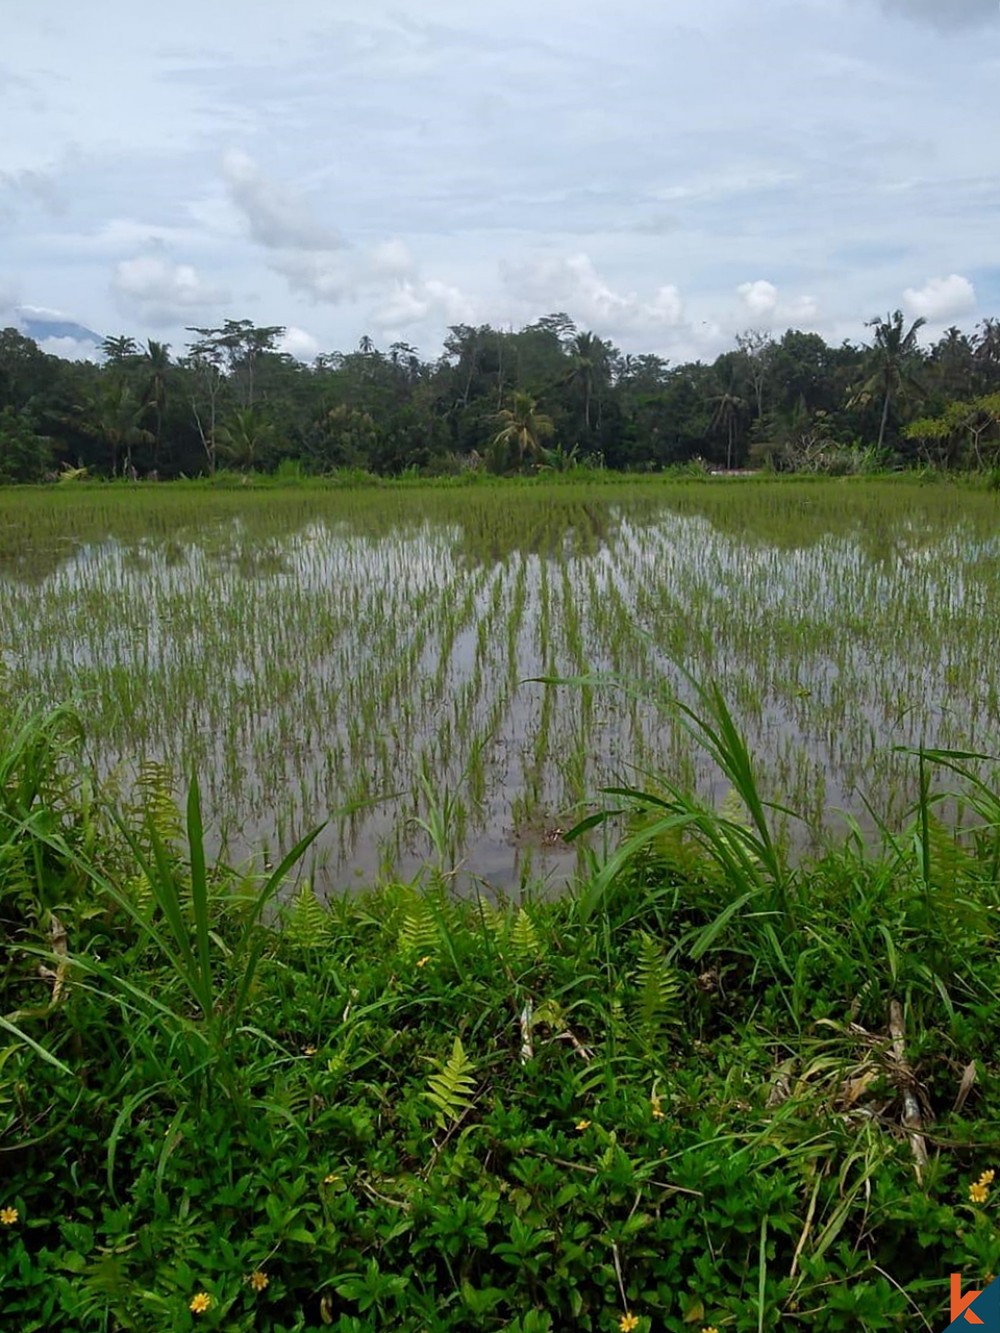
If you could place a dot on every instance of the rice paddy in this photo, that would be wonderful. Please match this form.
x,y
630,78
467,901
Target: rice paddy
x,y
367,656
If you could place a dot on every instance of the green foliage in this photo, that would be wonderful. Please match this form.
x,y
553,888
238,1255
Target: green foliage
x,y
683,1096
450,1091
548,396
25,456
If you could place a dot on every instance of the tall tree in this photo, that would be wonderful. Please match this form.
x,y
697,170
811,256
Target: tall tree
x,y
246,438
891,363
113,414
727,418
757,347
522,428
590,370
156,363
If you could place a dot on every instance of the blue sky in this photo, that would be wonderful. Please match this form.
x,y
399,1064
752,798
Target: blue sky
x,y
669,173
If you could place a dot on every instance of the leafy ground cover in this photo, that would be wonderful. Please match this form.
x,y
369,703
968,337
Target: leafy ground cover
x,y
705,1090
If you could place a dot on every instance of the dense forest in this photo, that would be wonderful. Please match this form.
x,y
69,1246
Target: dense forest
x,y
549,395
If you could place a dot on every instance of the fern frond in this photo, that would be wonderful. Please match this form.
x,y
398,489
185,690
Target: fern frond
x,y
159,805
524,938
308,922
657,985
418,931
450,1091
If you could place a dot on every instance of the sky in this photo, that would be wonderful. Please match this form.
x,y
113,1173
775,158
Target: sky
x,y
667,172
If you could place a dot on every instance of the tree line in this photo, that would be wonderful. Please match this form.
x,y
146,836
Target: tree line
x,y
549,395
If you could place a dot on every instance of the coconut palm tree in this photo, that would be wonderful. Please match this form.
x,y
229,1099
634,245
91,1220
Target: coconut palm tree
x,y
729,410
523,428
591,368
891,359
157,361
246,438
112,414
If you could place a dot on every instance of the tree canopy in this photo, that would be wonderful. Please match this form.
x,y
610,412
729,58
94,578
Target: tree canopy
x,y
540,396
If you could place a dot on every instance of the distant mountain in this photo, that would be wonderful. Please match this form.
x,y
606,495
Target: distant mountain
x,y
39,325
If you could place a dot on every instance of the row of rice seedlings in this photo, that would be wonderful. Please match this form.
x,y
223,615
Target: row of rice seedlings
x,y
310,650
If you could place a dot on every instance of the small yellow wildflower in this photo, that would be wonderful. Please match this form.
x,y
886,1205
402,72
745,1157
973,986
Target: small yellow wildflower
x,y
308,1050
987,1178
8,1216
330,1180
582,1125
200,1302
627,1323
259,1280
657,1109
710,1329
978,1193
422,962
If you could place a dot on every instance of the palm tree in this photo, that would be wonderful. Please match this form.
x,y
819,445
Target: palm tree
x,y
246,437
590,358
523,427
729,409
112,414
119,350
891,358
157,361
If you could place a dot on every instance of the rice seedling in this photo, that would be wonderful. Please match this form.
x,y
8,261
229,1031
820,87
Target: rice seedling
x,y
309,648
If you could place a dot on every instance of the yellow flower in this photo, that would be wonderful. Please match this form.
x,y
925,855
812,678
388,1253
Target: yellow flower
x,y
308,1050
581,1126
711,1329
422,962
657,1109
8,1216
259,1280
627,1323
978,1193
987,1178
330,1180
200,1302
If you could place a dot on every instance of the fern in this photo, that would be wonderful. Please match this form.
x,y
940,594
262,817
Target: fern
x,y
139,891
450,1091
418,932
156,789
951,864
657,986
524,939
308,923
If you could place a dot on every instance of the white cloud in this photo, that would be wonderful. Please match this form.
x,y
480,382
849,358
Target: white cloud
x,y
298,343
762,302
760,297
276,216
411,302
392,258
573,284
941,298
70,349
318,275
160,291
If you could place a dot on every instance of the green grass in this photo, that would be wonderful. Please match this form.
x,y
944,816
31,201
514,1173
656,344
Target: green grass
x,y
683,1090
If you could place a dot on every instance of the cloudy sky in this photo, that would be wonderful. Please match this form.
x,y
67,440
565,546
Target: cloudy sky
x,y
666,171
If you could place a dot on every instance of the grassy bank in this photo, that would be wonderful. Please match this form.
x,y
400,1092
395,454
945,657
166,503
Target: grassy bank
x,y
703,1090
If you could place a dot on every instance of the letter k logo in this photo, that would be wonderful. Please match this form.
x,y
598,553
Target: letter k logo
x,y
960,1303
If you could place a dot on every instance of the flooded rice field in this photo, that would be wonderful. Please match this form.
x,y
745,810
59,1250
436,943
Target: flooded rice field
x,y
369,657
